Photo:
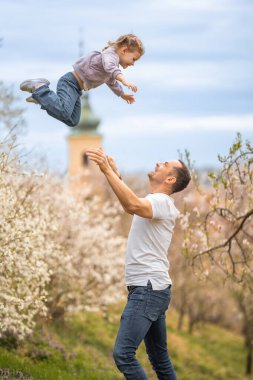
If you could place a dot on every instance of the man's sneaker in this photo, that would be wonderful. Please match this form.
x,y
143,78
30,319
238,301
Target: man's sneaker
x,y
31,100
30,85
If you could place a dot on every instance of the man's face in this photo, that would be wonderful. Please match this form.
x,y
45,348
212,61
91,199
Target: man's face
x,y
163,170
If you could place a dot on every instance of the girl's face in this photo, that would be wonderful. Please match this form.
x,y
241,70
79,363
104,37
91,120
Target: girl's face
x,y
126,57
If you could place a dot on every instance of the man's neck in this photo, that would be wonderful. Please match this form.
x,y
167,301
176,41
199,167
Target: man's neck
x,y
159,189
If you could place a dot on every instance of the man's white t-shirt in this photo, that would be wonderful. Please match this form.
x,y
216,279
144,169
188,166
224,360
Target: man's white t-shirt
x,y
148,243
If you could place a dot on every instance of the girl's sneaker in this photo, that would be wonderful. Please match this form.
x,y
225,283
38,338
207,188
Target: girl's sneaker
x,y
30,85
31,100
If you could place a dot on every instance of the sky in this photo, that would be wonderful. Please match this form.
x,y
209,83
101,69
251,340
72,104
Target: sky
x,y
195,80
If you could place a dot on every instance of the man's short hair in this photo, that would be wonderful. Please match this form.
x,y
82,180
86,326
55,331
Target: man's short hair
x,y
183,177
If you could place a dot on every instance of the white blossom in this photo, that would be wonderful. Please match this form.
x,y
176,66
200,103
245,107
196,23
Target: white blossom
x,y
57,254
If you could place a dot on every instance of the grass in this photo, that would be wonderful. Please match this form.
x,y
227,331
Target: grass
x,y
81,348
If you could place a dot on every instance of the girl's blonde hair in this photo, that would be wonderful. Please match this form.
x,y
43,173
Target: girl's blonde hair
x,y
131,41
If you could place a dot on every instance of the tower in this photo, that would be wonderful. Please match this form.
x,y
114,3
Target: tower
x,y
81,138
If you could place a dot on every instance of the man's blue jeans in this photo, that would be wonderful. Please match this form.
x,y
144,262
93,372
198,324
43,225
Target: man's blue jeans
x,y
65,104
144,318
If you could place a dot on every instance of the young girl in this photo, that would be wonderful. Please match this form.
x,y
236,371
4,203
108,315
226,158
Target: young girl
x,y
89,72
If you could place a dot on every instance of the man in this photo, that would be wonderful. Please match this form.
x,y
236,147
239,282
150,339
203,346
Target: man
x,y
147,278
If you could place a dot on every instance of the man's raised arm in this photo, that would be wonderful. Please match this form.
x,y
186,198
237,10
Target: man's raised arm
x,y
128,199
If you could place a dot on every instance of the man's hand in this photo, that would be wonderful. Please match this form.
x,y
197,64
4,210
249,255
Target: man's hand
x,y
100,158
113,166
128,98
128,199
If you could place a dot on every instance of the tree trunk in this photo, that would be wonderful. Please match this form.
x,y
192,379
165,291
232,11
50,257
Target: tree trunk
x,y
180,320
249,362
190,328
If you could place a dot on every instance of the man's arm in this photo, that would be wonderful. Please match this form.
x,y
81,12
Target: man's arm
x,y
116,171
128,199
113,166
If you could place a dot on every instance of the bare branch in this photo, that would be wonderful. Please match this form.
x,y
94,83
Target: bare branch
x,y
229,240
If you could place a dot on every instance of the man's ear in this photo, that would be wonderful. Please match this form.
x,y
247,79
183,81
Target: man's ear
x,y
170,180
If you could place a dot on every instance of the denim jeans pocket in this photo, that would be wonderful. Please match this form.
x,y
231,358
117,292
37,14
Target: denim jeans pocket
x,y
157,304
136,301
138,294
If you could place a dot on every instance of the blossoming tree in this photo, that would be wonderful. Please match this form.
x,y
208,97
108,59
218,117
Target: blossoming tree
x,y
57,253
219,233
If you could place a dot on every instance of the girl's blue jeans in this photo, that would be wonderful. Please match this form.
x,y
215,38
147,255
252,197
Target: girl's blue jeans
x,y
65,104
144,318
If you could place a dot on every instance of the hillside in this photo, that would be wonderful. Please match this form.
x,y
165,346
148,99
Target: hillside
x,y
81,348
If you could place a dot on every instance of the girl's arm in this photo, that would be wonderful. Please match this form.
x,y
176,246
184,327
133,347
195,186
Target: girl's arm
x,y
117,89
125,82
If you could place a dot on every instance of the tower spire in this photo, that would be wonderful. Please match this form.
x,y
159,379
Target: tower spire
x,y
89,121
83,137
81,42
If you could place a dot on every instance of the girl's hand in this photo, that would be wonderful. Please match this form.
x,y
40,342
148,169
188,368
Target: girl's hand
x,y
128,98
131,86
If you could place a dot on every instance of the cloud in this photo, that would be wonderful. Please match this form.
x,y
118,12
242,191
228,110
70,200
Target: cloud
x,y
195,75
198,61
162,123
33,69
196,6
186,75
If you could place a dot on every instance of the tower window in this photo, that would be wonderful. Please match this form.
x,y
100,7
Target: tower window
x,y
85,160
